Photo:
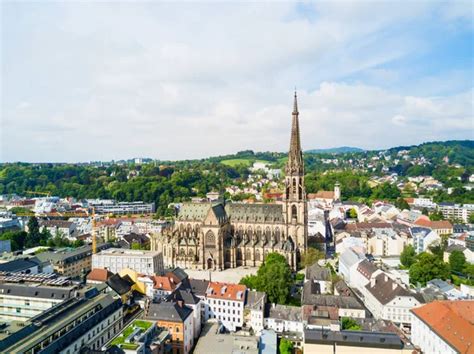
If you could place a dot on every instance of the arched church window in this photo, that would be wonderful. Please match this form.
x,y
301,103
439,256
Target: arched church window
x,y
248,255
257,255
294,212
300,192
181,252
294,185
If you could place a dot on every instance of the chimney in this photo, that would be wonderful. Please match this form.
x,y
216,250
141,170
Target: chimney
x,y
180,303
385,278
373,281
394,285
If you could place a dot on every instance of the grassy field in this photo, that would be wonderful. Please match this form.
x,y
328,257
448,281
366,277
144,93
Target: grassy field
x,y
245,162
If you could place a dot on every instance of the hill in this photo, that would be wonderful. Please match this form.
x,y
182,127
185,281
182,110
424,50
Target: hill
x,y
335,150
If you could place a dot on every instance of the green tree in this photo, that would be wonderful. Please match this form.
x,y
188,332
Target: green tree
x,y
17,239
352,213
428,267
408,256
311,256
275,278
286,346
250,281
34,235
469,270
457,261
350,324
436,216
402,204
471,218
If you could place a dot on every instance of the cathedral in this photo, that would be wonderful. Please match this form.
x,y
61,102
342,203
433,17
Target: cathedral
x,y
227,235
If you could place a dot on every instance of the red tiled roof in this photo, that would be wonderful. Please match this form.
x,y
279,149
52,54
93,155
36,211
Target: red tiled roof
x,y
321,195
98,274
367,225
441,224
163,283
226,291
451,320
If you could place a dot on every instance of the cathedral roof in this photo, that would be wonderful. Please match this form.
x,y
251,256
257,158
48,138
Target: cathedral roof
x,y
194,211
255,212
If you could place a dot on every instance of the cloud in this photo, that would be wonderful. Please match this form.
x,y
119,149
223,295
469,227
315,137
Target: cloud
x,y
89,81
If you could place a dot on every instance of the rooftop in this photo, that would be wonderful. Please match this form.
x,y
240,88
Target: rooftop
x,y
226,291
451,320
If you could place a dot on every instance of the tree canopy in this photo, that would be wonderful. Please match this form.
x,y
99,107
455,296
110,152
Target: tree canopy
x,y
428,267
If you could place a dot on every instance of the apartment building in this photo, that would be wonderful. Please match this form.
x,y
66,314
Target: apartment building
x,y
177,318
107,206
456,211
116,259
87,321
443,327
74,263
226,303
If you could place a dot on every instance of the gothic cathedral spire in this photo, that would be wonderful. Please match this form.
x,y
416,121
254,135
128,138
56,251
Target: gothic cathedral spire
x,y
295,195
295,164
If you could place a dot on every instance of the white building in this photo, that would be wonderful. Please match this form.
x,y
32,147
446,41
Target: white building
x,y
423,238
456,211
225,302
321,277
116,259
443,327
388,300
255,305
282,318
386,243
348,262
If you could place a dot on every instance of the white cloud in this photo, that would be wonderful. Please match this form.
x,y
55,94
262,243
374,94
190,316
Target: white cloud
x,y
108,80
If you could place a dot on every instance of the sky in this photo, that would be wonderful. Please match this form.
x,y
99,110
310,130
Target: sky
x,y
89,81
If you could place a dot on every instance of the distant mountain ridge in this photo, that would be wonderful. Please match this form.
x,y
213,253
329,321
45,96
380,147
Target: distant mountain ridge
x,y
336,150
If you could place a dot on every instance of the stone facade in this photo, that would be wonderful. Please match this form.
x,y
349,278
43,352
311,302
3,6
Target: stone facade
x,y
218,235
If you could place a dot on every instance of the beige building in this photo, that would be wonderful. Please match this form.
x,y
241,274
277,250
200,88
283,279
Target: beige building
x,y
218,235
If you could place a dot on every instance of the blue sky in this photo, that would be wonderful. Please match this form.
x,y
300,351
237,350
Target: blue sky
x,y
85,81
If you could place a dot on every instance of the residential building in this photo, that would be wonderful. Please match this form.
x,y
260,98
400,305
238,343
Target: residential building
x,y
348,262
187,297
423,238
87,321
116,259
177,318
321,277
387,300
456,211
441,227
98,276
74,263
282,319
225,303
22,301
59,227
25,265
255,308
444,327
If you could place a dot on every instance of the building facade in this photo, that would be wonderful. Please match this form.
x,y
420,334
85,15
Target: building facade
x,y
116,259
214,235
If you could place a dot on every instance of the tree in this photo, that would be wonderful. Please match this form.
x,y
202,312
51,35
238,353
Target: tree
x,y
352,213
428,267
471,218
350,324
273,277
17,239
402,204
311,256
250,281
34,236
457,261
469,270
408,256
286,346
425,211
436,216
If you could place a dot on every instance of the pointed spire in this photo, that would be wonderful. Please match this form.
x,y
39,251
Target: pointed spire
x,y
295,156
295,104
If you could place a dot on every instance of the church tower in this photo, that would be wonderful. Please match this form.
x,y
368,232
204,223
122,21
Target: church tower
x,y
295,194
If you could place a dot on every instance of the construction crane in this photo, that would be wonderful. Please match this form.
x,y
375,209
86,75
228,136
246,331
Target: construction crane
x,y
48,194
94,241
